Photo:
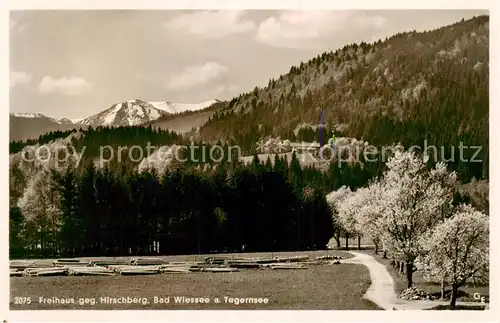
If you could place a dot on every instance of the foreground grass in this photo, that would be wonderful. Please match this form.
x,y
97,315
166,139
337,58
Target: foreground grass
x,y
320,287
466,293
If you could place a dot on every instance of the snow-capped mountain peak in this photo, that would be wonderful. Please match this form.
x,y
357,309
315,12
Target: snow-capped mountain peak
x,y
28,115
128,113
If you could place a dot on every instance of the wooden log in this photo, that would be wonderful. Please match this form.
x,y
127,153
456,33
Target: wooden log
x,y
138,272
181,265
16,273
175,270
146,261
67,260
292,259
219,260
60,263
288,266
265,260
184,263
244,265
21,264
45,271
107,262
117,268
90,271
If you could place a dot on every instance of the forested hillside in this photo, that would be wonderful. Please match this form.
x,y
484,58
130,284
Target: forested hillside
x,y
413,87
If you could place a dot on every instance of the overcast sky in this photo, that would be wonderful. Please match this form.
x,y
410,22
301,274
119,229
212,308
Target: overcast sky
x,y
77,63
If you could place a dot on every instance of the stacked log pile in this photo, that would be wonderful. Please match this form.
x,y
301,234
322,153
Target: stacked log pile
x,y
90,271
292,259
142,270
108,262
147,266
54,271
16,272
175,269
146,261
17,267
70,262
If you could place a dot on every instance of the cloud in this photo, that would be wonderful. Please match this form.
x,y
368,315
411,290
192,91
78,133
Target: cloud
x,y
64,85
17,77
195,75
306,29
224,91
212,24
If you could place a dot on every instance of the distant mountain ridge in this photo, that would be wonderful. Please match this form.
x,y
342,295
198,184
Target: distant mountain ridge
x,y
41,116
129,113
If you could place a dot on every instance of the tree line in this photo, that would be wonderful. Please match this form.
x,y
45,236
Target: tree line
x,y
259,206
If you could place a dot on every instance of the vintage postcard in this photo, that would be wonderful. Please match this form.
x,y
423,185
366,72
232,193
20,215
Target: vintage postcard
x,y
230,159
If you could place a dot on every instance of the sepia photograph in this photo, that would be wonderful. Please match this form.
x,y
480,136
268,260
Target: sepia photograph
x,y
325,159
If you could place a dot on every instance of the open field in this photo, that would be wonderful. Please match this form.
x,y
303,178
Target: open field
x,y
466,294
326,287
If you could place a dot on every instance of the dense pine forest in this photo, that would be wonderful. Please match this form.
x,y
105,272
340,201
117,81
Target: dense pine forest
x,y
411,89
276,205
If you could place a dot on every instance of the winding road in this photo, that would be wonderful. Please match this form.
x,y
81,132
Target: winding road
x,y
382,291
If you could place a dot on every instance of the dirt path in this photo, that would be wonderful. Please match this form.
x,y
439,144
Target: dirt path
x,y
382,291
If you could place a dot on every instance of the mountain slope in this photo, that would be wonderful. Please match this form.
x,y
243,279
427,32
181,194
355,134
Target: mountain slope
x,y
175,108
413,87
188,119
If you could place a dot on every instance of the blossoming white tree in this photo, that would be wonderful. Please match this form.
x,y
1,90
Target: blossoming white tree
x,y
458,249
39,205
361,212
348,209
414,200
333,199
369,212
399,209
